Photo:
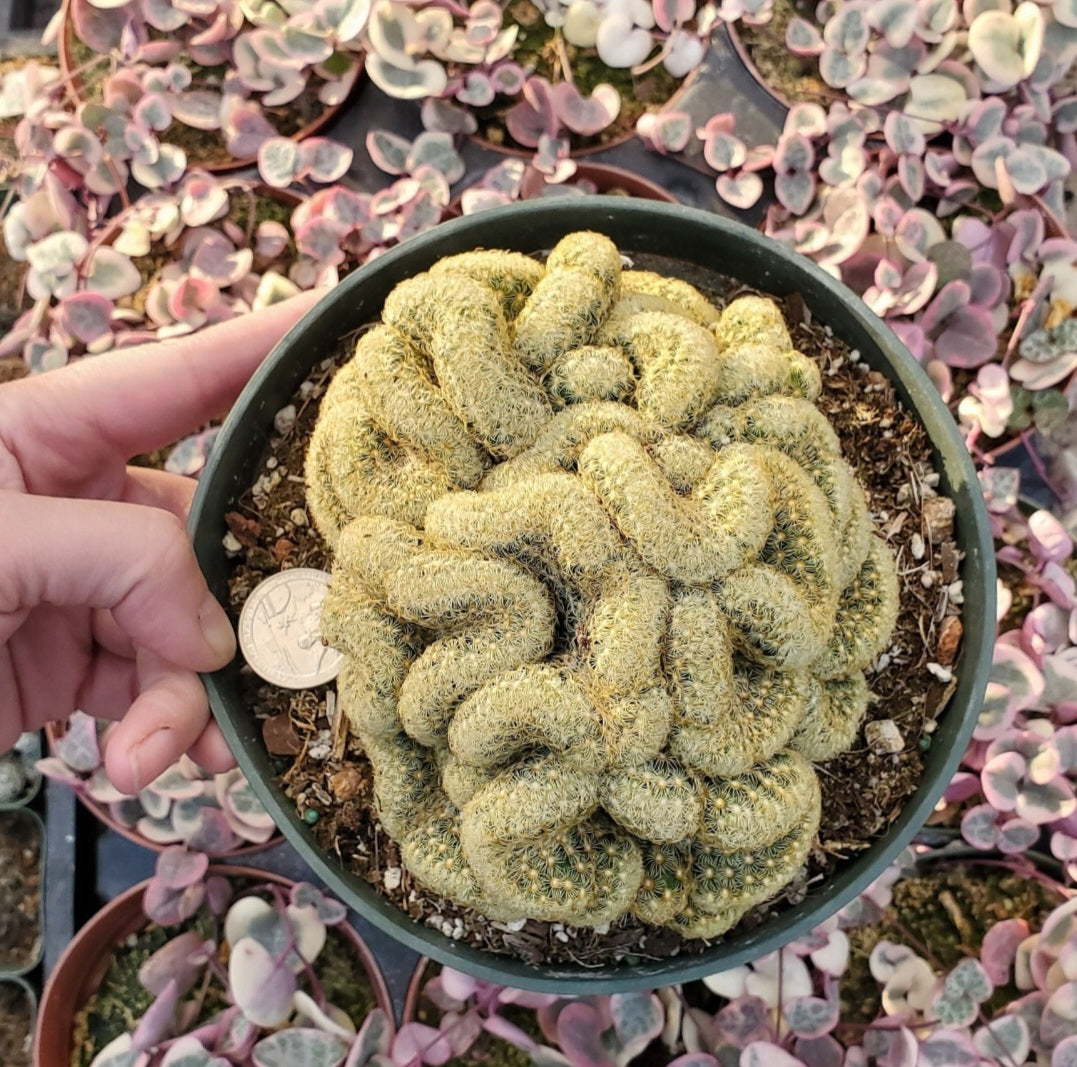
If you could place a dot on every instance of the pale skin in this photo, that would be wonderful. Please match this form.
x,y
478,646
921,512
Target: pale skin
x,y
102,604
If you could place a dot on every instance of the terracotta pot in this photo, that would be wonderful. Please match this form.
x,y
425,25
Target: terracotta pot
x,y
415,990
68,66
84,962
55,730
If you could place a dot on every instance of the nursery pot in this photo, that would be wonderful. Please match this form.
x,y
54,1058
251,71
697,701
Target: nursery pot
x,y
79,971
696,239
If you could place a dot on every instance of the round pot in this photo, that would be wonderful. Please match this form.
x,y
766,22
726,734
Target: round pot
x,y
83,964
55,730
68,67
736,43
697,239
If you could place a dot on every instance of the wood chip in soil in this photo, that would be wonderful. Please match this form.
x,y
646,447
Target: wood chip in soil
x,y
326,775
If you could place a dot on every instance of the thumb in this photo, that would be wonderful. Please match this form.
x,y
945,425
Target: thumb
x,y
134,561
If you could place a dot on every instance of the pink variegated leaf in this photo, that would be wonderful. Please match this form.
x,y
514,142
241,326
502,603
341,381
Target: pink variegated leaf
x,y
742,191
585,115
324,160
671,13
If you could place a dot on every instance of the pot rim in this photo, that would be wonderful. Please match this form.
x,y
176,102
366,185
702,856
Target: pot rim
x,y
688,234
123,916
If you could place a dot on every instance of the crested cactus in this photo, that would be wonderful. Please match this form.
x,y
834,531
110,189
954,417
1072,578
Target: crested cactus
x,y
604,584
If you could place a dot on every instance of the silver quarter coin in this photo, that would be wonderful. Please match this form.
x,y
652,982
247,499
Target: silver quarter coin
x,y
280,630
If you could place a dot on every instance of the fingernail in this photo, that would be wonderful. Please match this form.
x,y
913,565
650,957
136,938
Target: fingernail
x,y
217,630
152,755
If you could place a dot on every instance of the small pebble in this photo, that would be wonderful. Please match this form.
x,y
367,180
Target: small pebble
x,y
322,746
231,544
298,516
345,783
944,674
284,419
924,744
949,639
391,878
927,579
939,518
916,546
884,737
311,816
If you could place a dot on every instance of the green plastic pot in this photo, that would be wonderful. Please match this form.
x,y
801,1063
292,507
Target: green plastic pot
x,y
697,239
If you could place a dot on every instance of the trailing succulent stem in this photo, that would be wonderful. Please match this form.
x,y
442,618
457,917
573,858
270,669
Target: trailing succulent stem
x,y
604,583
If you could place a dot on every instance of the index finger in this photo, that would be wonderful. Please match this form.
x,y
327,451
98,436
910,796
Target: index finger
x,y
137,399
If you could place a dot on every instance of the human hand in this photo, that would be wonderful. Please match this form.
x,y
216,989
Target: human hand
x,y
102,603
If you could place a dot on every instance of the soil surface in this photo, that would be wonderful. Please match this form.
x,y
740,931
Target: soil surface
x,y
863,791
20,890
16,1024
790,78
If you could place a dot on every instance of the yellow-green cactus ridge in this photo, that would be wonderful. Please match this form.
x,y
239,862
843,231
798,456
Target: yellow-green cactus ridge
x,y
581,284
832,718
512,275
749,371
534,706
867,611
748,811
752,320
604,584
673,292
657,800
676,361
768,707
663,890
590,372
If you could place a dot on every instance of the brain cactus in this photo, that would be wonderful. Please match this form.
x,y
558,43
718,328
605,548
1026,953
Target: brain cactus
x,y
605,585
